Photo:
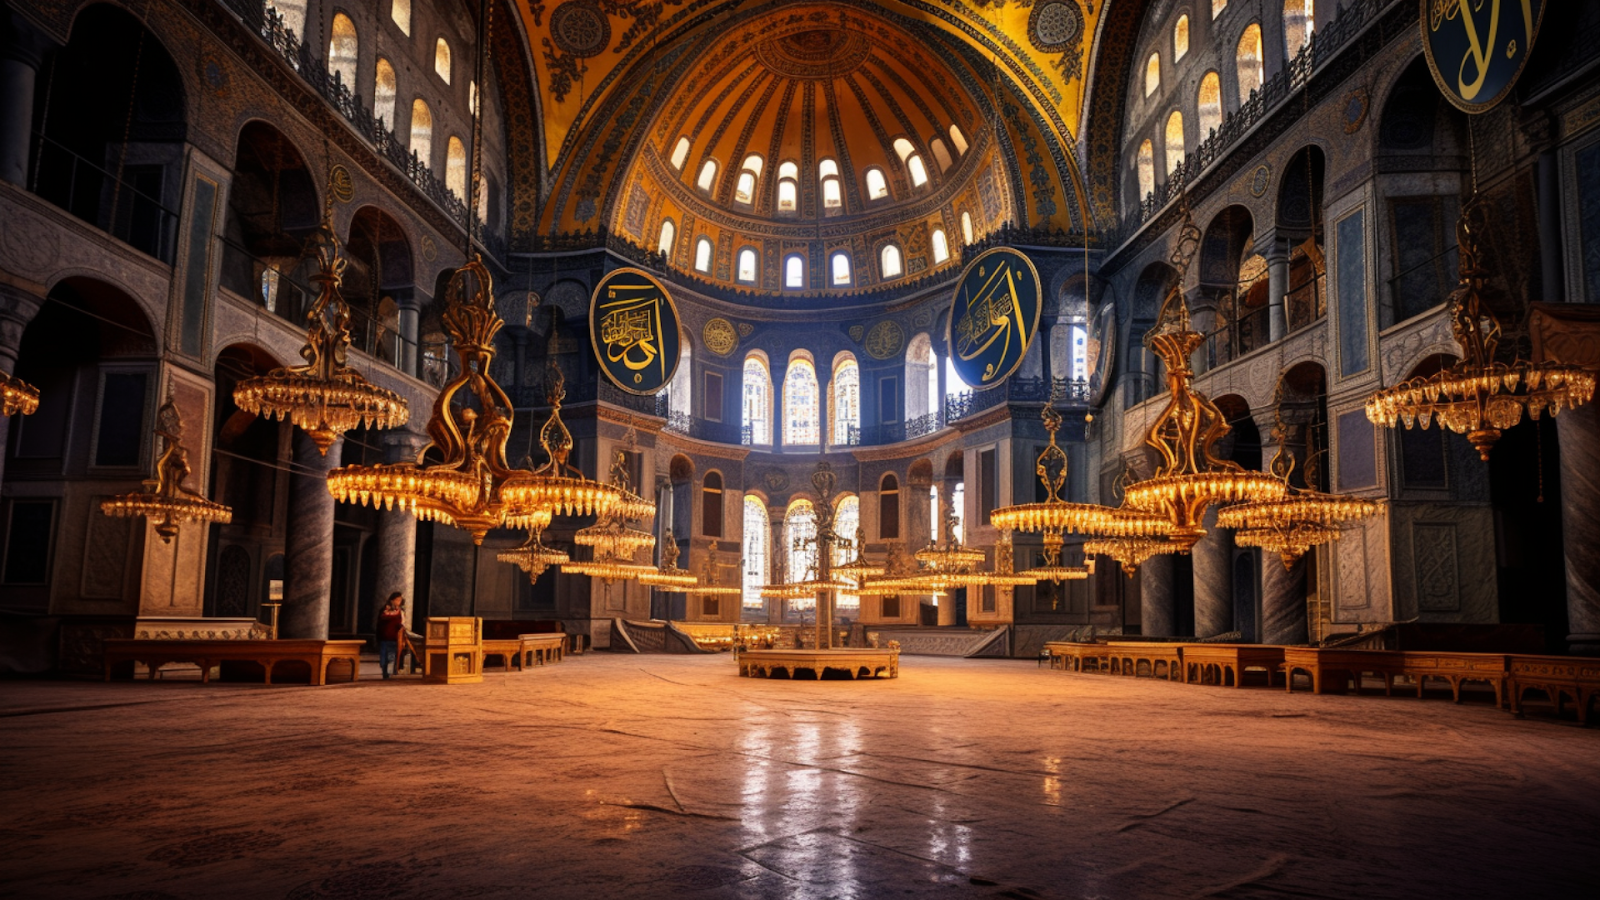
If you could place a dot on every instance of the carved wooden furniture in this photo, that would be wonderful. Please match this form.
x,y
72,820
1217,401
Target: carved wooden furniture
x,y
453,650
1455,668
1128,656
1217,663
525,650
1078,656
1560,677
1320,663
862,662
318,655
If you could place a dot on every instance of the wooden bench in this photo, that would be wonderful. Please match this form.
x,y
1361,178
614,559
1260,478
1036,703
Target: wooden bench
x,y
1560,677
526,650
1321,662
1075,656
1216,663
1455,668
857,662
1126,657
318,655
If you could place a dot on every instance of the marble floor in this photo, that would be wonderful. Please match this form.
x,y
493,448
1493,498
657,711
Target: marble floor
x,y
669,776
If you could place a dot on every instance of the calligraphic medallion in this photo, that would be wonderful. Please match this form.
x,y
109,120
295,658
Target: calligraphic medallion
x,y
994,316
885,339
633,327
719,336
1476,49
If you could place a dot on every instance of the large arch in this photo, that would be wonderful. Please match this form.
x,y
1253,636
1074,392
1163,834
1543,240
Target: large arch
x,y
273,207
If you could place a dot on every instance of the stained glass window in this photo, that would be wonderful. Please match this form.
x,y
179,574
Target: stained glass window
x,y
800,405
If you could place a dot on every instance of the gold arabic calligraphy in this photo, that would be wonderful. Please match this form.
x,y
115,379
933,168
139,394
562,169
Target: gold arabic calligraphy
x,y
1480,53
992,314
631,329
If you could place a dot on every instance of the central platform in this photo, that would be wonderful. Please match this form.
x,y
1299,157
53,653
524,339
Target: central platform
x,y
862,662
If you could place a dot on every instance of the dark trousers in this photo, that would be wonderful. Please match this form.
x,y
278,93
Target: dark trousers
x,y
387,651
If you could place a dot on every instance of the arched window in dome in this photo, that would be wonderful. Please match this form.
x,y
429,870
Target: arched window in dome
x,y
877,185
680,153
846,404
1248,58
1299,20
708,176
1180,38
800,540
422,132
702,255
1174,140
941,154
755,550
747,265
800,427
1208,104
788,186
919,172
455,167
832,193
757,400
889,265
941,246
1152,74
841,268
669,234
383,94
903,148
958,140
1217,6
441,60
342,49
966,228
794,272
846,519
745,191
753,164
1147,170
400,12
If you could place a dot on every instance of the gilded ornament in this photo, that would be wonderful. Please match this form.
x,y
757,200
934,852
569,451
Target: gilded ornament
x,y
719,336
885,340
633,327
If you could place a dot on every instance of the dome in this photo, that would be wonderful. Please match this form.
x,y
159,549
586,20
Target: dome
x,y
809,134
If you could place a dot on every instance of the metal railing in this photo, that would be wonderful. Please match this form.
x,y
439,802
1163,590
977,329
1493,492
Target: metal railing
x,y
1017,389
91,193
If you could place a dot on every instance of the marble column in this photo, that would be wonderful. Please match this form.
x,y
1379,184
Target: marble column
x,y
1277,290
410,355
1578,433
17,309
24,49
1213,579
941,369
777,569
308,556
397,533
1283,601
1157,599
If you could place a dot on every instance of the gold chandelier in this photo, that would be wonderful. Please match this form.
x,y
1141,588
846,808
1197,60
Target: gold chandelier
x,y
17,396
533,557
613,541
1188,478
164,500
857,569
709,583
1131,552
324,397
1479,396
1053,570
471,486
1302,519
667,574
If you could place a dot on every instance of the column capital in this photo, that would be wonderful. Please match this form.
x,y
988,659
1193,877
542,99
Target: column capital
x,y
24,41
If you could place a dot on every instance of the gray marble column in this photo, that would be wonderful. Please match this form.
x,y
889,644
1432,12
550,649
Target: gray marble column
x,y
308,556
17,309
397,532
1277,289
410,355
19,70
1157,600
1578,433
1283,601
1213,579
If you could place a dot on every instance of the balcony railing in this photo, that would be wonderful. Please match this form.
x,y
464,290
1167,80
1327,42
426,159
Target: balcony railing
x,y
268,25
1017,389
114,205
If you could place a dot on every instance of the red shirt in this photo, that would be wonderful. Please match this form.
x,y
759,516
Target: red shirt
x,y
389,624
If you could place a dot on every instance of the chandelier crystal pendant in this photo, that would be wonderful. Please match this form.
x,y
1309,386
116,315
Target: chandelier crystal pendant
x,y
1479,396
709,584
1302,519
533,557
325,397
164,500
471,486
1131,552
17,396
1188,478
612,539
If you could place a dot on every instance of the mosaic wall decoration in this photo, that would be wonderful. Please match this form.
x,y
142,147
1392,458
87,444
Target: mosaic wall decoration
x,y
885,340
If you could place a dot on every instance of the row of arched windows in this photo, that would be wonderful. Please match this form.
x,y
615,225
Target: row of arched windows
x,y
891,261
801,420
799,553
828,178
